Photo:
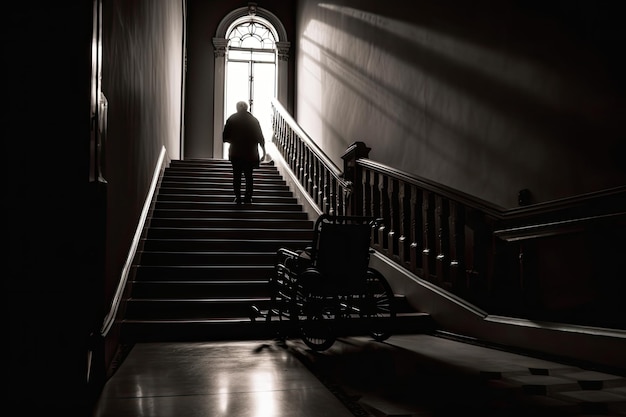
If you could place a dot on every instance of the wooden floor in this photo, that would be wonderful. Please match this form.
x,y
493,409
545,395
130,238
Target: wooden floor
x,y
408,375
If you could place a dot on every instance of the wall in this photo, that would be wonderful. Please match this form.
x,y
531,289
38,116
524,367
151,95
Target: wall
x,y
142,80
488,98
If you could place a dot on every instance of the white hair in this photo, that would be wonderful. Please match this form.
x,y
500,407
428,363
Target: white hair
x,y
242,106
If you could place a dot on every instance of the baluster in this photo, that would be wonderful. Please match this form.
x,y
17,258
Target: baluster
x,y
471,268
326,202
321,175
366,193
456,242
305,168
315,179
425,235
281,144
276,127
279,134
294,152
329,196
391,205
333,195
375,199
414,224
336,196
310,185
373,208
293,157
301,156
345,196
440,242
479,251
381,213
403,249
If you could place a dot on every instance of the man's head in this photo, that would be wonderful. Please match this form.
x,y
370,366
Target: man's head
x,y
242,106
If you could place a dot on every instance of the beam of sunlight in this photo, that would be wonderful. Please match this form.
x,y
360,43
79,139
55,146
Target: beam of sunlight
x,y
312,88
400,95
420,104
495,65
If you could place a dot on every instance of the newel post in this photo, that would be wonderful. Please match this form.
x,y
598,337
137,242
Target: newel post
x,y
353,174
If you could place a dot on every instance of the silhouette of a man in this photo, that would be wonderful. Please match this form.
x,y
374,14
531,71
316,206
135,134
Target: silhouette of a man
x,y
243,131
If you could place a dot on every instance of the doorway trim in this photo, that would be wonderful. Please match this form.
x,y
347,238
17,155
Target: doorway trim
x,y
220,43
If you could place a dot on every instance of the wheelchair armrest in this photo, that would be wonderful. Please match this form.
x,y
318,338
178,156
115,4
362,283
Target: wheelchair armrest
x,y
294,260
285,253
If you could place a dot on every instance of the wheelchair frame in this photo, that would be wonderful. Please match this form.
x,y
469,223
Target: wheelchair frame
x,y
329,289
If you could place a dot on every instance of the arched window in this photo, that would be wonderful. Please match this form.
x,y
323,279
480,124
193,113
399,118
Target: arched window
x,y
251,54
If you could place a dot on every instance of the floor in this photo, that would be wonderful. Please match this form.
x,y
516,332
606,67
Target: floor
x,y
407,375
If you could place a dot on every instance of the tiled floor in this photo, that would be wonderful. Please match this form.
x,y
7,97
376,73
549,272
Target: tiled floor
x,y
408,375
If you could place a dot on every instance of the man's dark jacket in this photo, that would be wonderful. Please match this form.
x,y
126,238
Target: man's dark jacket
x,y
243,131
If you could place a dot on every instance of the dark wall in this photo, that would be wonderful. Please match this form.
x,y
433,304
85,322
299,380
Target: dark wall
x,y
53,214
488,97
69,237
204,18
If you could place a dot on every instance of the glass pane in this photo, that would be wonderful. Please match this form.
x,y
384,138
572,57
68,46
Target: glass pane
x,y
239,55
264,89
237,89
264,56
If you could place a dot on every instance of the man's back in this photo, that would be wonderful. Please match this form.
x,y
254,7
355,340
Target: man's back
x,y
243,132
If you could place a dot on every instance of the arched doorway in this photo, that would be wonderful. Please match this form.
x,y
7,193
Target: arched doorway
x,y
251,58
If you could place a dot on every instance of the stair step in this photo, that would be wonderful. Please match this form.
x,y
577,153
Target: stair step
x,y
207,258
202,272
200,202
186,180
238,245
212,163
240,328
232,214
231,223
200,289
223,183
227,234
165,308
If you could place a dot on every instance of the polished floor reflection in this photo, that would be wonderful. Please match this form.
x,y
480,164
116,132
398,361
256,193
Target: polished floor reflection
x,y
408,375
250,378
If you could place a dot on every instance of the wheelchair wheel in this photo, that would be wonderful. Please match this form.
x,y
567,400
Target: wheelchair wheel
x,y
316,312
378,307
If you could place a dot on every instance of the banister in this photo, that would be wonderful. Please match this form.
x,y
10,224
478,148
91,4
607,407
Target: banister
x,y
440,189
328,163
317,174
496,258
542,230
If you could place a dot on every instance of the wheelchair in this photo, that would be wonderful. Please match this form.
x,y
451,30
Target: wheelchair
x,y
329,289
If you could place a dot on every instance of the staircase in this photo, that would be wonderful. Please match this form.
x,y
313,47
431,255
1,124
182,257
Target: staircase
x,y
204,261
